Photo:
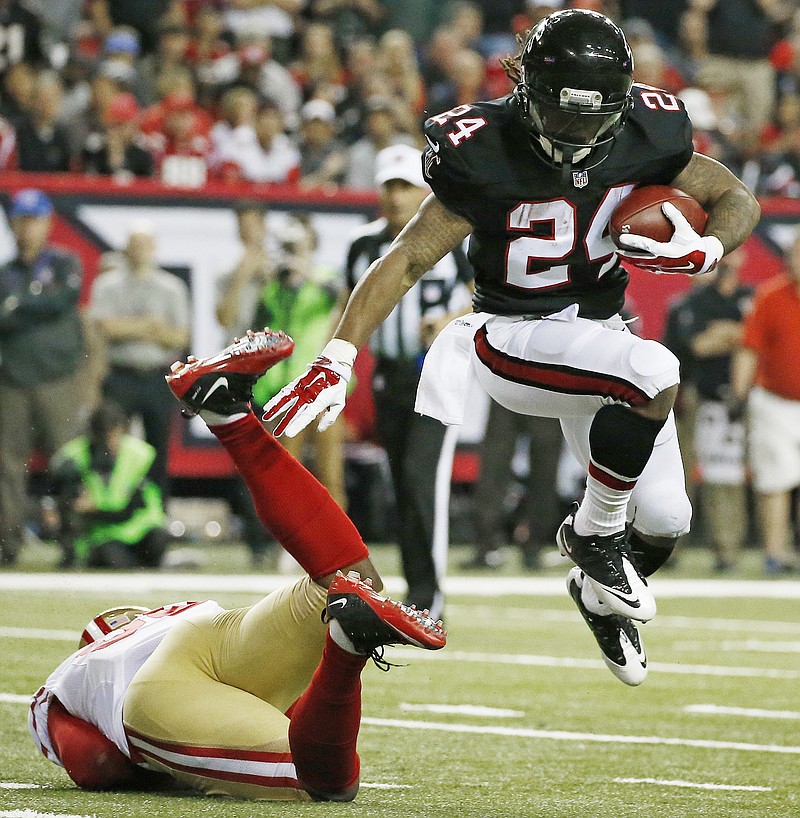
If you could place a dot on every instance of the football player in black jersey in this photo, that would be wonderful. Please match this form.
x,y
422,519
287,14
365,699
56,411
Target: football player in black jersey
x,y
533,178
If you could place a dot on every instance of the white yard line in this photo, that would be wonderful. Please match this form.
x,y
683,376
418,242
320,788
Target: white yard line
x,y
14,698
530,660
464,710
694,623
32,813
133,582
563,735
694,785
751,712
14,785
739,646
40,633
380,786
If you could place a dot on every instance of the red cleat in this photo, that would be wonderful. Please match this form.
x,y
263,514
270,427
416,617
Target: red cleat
x,y
371,621
223,383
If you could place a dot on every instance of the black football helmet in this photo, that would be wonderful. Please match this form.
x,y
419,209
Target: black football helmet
x,y
575,87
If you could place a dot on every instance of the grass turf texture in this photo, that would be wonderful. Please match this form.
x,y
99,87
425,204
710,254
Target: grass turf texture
x,y
482,774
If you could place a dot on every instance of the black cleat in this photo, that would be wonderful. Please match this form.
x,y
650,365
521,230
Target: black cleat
x,y
223,383
606,564
618,637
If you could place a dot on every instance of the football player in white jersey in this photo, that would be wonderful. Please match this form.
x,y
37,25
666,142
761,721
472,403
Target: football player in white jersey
x,y
261,702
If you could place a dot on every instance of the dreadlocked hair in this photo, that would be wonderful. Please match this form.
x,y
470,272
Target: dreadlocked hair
x,y
512,65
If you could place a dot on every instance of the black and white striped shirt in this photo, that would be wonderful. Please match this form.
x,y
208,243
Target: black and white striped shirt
x,y
443,289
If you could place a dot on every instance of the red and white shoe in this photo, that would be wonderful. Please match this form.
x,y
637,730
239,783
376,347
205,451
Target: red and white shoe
x,y
223,383
371,621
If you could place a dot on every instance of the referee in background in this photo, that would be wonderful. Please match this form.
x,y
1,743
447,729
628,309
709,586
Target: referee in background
x,y
419,448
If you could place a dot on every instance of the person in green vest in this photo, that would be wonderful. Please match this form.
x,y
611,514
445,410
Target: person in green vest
x,y
301,299
109,513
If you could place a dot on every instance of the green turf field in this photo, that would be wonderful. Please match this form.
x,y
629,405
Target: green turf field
x,y
516,717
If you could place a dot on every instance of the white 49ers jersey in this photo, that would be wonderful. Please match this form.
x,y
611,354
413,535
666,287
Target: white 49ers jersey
x,y
93,681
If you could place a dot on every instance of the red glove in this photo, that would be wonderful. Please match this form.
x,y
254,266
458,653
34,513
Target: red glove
x,y
686,252
323,388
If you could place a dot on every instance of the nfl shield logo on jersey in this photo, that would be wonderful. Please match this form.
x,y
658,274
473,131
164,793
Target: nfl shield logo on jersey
x,y
580,178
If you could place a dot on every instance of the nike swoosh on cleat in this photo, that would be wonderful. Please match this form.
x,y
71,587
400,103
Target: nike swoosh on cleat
x,y
220,382
434,145
341,601
630,598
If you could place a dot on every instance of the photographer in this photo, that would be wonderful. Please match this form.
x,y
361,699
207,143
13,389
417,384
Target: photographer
x,y
107,512
300,300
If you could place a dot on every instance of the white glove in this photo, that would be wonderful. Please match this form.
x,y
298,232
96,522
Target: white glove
x,y
686,252
323,388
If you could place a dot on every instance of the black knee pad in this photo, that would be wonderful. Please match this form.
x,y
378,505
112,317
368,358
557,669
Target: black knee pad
x,y
649,557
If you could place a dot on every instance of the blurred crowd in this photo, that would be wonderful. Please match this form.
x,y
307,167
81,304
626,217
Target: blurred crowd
x,y
307,91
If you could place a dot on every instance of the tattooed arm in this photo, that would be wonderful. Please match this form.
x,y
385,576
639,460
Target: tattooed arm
x,y
733,211
428,237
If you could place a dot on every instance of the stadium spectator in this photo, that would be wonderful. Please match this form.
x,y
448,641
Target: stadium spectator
x,y
142,312
322,156
731,40
467,82
259,71
120,58
175,82
239,291
278,159
174,42
397,61
265,18
350,20
107,512
318,69
277,684
41,353
766,374
300,298
380,131
419,18
18,82
20,36
234,135
651,67
120,151
420,456
141,15
705,331
42,141
181,148
539,510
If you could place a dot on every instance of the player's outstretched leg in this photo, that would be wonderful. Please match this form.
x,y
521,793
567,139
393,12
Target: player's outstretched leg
x,y
289,500
324,723
363,621
618,637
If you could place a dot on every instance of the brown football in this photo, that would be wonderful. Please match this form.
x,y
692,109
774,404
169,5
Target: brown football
x,y
640,213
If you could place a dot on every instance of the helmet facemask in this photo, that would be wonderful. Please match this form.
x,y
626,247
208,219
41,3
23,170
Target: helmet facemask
x,y
573,126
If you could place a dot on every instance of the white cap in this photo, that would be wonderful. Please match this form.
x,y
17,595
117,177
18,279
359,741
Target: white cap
x,y
142,226
318,109
399,162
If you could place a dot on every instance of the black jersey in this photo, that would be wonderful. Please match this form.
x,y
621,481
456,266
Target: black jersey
x,y
538,243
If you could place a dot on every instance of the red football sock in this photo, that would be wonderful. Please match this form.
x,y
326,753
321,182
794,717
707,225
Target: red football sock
x,y
290,501
324,723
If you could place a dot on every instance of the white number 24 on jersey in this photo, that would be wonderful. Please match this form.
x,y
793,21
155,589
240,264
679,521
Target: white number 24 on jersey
x,y
561,215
